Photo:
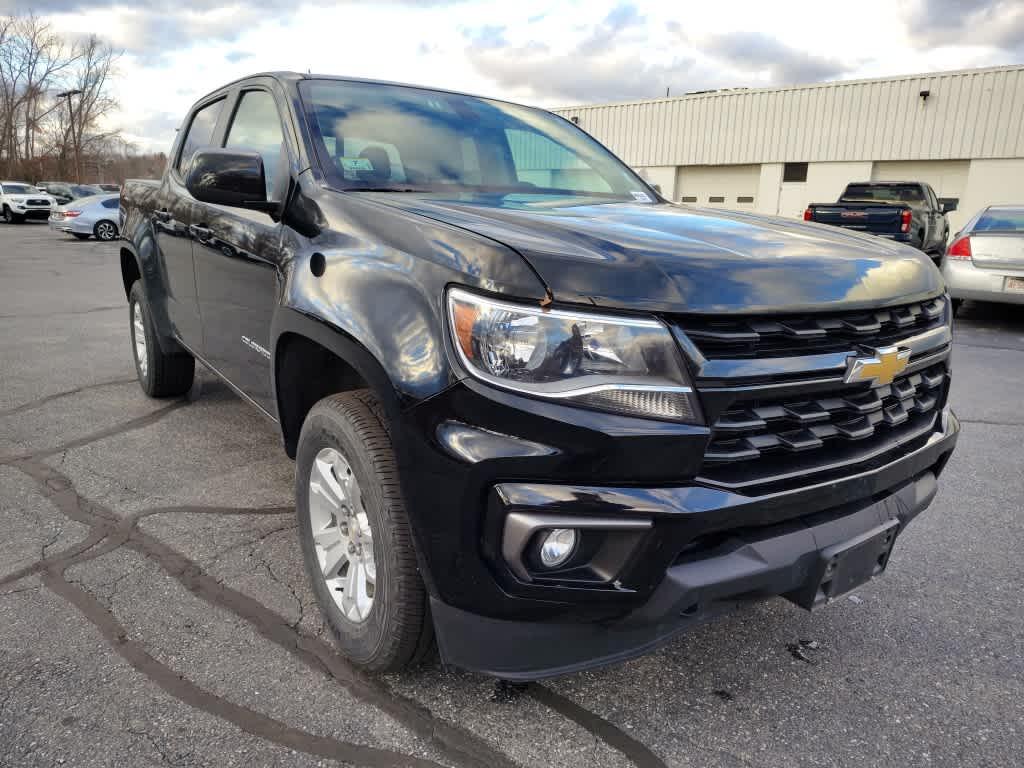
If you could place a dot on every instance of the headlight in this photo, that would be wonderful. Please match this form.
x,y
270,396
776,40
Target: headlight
x,y
623,365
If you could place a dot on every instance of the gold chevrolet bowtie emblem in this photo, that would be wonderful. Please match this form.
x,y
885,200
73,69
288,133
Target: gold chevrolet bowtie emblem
x,y
881,368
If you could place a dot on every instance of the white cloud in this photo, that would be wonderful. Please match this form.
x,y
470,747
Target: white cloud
x,y
539,51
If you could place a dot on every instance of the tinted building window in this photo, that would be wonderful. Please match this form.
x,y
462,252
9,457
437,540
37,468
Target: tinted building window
x,y
794,172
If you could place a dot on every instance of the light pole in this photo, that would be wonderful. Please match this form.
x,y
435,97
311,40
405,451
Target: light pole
x,y
71,124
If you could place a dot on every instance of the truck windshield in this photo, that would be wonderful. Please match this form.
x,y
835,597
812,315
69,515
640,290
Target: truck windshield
x,y
370,136
17,189
883,193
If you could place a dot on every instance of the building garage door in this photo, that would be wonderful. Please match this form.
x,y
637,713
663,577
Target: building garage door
x,y
719,186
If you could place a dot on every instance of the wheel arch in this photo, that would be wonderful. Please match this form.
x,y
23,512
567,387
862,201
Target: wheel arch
x,y
311,360
131,270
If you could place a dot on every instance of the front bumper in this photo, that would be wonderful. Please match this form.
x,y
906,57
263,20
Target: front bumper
x,y
757,546
37,214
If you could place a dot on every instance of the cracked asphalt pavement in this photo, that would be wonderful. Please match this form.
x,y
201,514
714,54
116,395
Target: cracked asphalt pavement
x,y
154,610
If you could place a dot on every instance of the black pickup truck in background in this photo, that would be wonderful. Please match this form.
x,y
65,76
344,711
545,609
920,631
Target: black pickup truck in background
x,y
904,211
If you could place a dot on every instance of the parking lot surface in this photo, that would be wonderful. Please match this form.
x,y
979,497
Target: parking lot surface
x,y
154,610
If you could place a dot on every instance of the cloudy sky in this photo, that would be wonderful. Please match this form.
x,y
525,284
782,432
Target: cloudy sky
x,y
535,51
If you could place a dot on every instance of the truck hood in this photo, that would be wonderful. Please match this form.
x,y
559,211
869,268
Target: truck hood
x,y
666,258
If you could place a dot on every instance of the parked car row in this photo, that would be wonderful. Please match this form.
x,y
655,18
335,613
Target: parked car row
x,y
81,210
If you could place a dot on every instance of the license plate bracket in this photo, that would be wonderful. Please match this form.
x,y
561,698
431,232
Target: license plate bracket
x,y
847,565
1014,285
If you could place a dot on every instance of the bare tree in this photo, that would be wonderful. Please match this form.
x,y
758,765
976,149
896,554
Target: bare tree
x,y
55,102
32,57
93,102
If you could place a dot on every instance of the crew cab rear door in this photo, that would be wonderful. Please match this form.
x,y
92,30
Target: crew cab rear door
x,y
238,255
175,208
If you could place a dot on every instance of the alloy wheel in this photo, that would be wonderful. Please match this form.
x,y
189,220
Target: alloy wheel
x,y
342,535
139,339
105,231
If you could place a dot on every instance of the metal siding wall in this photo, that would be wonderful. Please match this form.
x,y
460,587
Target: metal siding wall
x,y
968,114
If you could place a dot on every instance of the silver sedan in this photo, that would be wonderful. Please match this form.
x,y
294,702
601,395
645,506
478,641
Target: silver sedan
x,y
985,261
96,216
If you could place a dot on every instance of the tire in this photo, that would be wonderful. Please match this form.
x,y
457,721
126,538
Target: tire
x,y
344,440
10,217
105,230
81,235
957,303
160,374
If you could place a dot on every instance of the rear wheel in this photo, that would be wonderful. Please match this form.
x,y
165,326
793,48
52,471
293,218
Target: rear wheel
x,y
160,374
355,535
105,231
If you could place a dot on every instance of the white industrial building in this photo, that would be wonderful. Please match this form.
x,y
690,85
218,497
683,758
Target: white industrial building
x,y
775,150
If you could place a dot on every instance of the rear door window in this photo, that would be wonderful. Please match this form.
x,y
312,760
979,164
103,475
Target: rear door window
x,y
200,133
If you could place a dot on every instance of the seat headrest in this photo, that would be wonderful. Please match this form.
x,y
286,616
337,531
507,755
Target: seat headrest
x,y
381,163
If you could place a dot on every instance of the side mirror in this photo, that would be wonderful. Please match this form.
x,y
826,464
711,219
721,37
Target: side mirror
x,y
229,177
948,204
656,188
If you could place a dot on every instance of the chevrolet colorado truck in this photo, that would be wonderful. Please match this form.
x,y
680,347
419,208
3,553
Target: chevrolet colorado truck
x,y
539,415
902,211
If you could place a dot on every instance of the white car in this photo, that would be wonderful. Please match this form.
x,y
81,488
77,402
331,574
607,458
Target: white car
x,y
20,201
985,261
97,216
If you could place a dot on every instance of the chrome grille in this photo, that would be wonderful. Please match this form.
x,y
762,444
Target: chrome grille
x,y
768,335
753,430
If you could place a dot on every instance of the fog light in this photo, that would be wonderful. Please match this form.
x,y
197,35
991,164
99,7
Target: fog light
x,y
557,546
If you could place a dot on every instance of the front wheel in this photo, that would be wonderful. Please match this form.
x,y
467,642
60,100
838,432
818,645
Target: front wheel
x,y
355,535
105,231
10,217
160,374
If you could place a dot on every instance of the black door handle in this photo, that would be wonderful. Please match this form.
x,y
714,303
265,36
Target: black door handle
x,y
199,232
162,215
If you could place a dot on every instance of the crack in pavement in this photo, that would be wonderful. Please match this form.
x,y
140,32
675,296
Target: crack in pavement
x,y
183,689
109,532
68,313
128,426
32,404
612,735
991,423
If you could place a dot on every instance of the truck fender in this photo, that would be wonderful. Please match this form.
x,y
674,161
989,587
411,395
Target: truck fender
x,y
290,322
138,261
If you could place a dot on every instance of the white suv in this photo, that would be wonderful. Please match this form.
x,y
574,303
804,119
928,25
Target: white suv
x,y
20,201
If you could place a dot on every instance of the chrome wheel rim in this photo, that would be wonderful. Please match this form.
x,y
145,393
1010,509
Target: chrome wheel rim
x,y
342,535
139,339
105,230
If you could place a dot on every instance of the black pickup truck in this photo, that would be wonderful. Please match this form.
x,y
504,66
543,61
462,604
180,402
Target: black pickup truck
x,y
903,211
538,413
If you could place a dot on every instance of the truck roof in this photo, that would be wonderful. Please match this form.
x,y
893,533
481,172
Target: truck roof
x,y
293,77
883,183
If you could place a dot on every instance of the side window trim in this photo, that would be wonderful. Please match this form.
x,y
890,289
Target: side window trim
x,y
215,137
227,120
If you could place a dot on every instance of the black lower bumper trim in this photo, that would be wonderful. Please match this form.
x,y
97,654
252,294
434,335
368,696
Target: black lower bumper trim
x,y
788,563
